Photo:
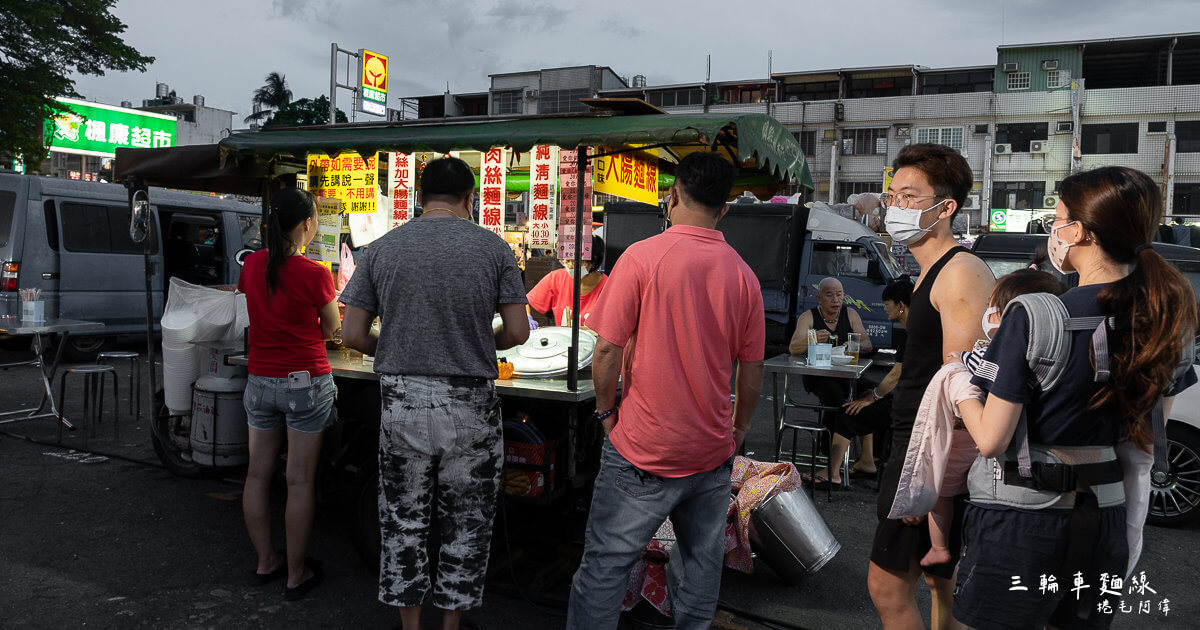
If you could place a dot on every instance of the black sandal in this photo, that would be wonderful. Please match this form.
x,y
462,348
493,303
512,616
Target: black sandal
x,y
293,594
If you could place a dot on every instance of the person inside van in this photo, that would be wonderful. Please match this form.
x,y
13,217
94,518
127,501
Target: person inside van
x,y
179,255
290,391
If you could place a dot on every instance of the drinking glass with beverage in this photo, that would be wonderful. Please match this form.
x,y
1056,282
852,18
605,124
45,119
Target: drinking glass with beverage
x,y
853,346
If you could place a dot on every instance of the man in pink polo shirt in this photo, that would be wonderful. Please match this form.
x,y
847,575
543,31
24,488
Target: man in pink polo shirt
x,y
679,311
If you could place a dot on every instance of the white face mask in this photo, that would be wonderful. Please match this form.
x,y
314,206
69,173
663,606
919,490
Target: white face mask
x,y
988,326
1056,248
904,224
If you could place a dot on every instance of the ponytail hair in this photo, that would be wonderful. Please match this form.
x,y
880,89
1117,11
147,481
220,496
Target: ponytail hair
x,y
1154,305
289,207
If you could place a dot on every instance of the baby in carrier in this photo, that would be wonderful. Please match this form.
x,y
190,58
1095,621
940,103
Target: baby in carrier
x,y
963,451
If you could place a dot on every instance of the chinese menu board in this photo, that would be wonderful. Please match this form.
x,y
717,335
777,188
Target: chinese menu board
x,y
568,180
629,175
400,188
492,174
543,175
346,177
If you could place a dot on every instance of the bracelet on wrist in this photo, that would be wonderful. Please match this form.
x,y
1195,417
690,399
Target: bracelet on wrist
x,y
875,394
604,416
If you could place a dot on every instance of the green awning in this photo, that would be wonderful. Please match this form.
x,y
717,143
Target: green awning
x,y
755,141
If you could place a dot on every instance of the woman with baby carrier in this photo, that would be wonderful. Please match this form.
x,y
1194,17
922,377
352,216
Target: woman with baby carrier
x,y
1062,441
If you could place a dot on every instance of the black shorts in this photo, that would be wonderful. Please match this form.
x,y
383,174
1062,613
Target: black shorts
x,y
897,545
1006,549
871,419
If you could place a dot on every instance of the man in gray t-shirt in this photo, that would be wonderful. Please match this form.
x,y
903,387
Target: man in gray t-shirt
x,y
435,284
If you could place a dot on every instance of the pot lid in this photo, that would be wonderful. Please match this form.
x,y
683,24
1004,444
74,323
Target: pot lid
x,y
544,355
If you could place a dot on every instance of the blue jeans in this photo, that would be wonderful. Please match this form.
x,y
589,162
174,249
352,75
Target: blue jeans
x,y
628,506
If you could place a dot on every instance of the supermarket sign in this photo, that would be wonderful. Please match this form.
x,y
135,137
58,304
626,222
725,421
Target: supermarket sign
x,y
372,82
95,129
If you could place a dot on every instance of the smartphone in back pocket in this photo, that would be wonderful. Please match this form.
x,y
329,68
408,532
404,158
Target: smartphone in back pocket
x,y
299,380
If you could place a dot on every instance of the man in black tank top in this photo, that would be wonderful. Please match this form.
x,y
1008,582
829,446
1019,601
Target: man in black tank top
x,y
930,184
830,318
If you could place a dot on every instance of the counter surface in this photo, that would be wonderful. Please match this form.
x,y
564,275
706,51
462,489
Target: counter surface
x,y
349,364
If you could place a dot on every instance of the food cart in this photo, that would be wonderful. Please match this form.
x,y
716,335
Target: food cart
x,y
255,163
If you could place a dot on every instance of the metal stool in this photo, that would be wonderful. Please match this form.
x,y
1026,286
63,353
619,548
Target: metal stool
x,y
815,430
93,396
135,376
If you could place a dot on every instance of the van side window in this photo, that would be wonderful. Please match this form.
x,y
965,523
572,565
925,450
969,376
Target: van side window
x,y
8,199
97,229
839,260
51,216
249,226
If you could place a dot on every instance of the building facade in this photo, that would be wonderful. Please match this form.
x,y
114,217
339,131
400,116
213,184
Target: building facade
x,y
1025,122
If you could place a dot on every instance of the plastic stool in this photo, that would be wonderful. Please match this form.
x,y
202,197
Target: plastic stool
x,y
135,376
93,396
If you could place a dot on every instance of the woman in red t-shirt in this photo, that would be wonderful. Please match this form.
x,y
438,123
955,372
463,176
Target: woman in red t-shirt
x,y
292,311
555,293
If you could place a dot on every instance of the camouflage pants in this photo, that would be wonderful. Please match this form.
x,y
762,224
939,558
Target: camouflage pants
x,y
440,442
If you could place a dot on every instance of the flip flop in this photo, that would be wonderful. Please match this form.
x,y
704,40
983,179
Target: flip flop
x,y
862,474
262,579
293,594
821,483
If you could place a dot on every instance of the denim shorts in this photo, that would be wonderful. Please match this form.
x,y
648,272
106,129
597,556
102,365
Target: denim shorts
x,y
270,404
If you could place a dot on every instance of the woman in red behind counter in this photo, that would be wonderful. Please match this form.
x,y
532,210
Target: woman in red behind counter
x,y
555,293
292,311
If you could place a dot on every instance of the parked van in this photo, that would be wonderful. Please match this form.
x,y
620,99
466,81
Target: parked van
x,y
71,240
790,248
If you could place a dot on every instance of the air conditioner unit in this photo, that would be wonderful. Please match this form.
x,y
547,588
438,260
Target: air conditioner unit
x,y
848,146
1003,149
1050,64
1039,146
1064,127
972,202
531,94
1051,201
1010,66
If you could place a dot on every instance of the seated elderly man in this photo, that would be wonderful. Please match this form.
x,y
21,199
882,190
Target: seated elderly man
x,y
831,319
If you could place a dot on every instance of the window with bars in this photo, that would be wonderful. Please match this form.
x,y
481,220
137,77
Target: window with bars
x,y
1018,195
807,140
508,102
677,98
1187,134
1019,135
867,141
1018,80
949,136
1110,138
1058,78
559,101
845,189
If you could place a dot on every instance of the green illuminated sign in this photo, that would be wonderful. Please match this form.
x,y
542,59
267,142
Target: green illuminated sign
x,y
96,129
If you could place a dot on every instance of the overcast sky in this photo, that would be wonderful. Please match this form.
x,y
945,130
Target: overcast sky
x,y
223,48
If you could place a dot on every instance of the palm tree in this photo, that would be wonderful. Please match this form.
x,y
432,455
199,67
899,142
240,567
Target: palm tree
x,y
272,96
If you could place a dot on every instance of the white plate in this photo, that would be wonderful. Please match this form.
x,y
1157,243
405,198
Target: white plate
x,y
841,359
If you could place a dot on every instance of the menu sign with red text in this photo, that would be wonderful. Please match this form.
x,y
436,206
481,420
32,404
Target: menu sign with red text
x,y
569,180
543,175
346,177
492,175
401,175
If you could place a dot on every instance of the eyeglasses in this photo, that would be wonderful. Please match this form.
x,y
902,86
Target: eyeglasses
x,y
1054,221
903,200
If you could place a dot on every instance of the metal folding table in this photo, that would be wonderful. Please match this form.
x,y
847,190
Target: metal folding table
x,y
14,325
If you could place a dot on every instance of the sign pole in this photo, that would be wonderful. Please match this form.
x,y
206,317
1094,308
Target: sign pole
x,y
333,51
581,157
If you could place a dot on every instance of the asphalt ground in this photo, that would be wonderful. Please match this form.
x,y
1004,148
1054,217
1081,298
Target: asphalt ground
x,y
106,538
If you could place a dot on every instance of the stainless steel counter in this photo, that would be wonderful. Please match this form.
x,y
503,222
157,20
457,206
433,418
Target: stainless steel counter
x,y
349,364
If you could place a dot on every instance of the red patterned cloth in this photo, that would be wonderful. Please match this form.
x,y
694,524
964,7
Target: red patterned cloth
x,y
752,480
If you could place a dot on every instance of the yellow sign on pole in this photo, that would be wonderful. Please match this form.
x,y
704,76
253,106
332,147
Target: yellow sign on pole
x,y
346,177
632,175
887,178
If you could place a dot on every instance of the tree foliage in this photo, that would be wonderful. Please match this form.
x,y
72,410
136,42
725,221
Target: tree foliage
x,y
305,112
43,43
274,95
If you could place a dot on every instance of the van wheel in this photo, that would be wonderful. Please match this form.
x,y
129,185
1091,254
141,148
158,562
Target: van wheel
x,y
83,349
169,433
1175,500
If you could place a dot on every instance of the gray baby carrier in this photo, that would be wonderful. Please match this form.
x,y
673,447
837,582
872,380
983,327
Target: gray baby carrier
x,y
1080,478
